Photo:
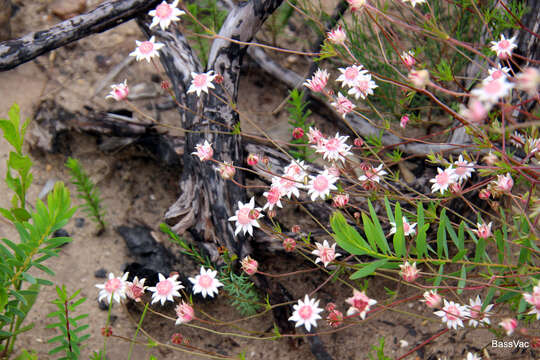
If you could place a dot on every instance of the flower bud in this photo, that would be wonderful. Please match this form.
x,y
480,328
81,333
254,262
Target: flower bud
x,y
226,170
249,265
298,133
289,244
252,159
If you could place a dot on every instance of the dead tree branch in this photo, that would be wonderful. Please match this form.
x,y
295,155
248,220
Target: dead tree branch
x,y
207,201
104,17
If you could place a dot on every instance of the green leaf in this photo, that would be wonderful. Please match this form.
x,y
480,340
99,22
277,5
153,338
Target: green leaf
x,y
30,299
7,214
442,244
459,255
463,280
388,208
438,279
480,249
15,247
20,214
5,334
369,231
368,269
10,134
3,298
347,237
399,236
26,276
379,233
25,355
44,282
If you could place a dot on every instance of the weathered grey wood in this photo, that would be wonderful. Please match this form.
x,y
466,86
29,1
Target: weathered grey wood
x,y
104,17
207,201
51,120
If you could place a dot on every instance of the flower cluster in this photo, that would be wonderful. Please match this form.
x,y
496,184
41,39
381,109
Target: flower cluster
x,y
307,311
166,289
457,173
454,314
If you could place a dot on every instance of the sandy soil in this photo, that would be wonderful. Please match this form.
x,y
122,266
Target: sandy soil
x,y
135,190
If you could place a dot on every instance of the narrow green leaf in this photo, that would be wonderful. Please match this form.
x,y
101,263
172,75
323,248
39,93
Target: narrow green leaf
x,y
389,211
26,276
347,237
20,214
369,231
442,245
480,249
368,269
15,247
459,255
399,236
380,237
463,280
438,279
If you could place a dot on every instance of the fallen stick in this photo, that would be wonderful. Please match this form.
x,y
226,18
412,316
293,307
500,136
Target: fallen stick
x,y
106,16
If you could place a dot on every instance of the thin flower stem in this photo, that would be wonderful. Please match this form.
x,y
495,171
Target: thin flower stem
x,y
139,325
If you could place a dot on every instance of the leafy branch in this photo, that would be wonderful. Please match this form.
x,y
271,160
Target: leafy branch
x,y
69,338
87,191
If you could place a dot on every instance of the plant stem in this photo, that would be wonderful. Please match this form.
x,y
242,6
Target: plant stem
x,y
107,326
139,325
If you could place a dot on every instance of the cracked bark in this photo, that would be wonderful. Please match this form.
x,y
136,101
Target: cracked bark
x,y
207,201
104,17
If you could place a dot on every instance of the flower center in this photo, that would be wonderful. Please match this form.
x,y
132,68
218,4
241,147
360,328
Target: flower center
x,y
327,254
243,216
442,178
305,312
351,73
493,87
321,183
406,227
286,183
504,44
360,305
332,144
164,287
476,312
113,285
294,170
205,281
200,80
497,74
363,86
146,47
163,11
273,196
452,313
461,169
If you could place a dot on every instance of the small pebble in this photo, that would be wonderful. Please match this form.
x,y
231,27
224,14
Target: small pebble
x,y
101,273
403,343
79,222
102,61
61,233
103,305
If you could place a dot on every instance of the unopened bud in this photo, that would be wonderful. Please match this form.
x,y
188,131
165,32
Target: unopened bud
x,y
298,133
289,244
